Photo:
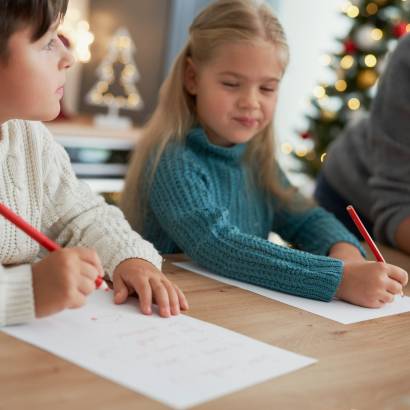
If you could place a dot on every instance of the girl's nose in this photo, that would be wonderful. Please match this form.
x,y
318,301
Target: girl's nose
x,y
249,99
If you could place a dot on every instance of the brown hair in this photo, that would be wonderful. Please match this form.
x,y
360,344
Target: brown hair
x,y
17,14
222,22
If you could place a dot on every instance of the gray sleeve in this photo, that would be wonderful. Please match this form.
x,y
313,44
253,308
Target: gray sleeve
x,y
389,138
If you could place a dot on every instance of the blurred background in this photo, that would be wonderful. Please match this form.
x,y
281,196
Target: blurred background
x,y
124,50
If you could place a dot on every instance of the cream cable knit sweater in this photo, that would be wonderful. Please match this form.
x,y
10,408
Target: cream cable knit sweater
x,y
38,183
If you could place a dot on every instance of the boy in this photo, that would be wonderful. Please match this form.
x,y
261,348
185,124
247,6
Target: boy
x,y
37,182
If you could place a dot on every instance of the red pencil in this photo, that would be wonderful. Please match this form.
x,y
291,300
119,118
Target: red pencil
x,y
39,237
355,217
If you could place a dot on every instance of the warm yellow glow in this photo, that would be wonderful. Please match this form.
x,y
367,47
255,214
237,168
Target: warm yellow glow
x,y
370,60
372,8
301,152
346,6
134,100
102,87
408,28
346,62
286,148
319,92
78,33
376,34
341,85
353,104
123,42
326,59
353,11
323,156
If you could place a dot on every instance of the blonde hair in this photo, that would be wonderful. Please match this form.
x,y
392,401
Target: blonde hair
x,y
224,21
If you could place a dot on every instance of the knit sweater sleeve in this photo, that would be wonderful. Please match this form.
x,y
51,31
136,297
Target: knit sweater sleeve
x,y
181,199
389,132
75,216
309,228
16,295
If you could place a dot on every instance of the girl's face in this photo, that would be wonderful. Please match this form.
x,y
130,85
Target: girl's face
x,y
33,77
236,91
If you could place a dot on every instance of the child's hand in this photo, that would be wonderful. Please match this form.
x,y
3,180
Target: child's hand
x,y
371,284
345,252
64,278
140,276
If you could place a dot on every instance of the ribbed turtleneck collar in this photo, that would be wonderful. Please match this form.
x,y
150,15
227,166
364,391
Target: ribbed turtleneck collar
x,y
198,140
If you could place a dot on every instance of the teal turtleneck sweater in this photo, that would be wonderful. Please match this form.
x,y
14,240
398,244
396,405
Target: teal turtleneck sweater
x,y
201,203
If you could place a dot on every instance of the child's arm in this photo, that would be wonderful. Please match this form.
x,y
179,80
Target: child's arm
x,y
74,216
183,203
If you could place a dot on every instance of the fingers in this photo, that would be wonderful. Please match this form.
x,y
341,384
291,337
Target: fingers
x,y
91,256
145,296
120,290
398,274
161,297
386,297
86,286
394,287
173,297
182,299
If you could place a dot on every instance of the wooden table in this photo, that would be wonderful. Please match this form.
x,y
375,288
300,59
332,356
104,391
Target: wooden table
x,y
361,366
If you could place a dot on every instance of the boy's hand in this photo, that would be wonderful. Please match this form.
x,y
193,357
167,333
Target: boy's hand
x,y
140,276
371,284
64,278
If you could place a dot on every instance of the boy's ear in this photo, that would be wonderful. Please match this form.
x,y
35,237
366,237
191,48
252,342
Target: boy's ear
x,y
190,77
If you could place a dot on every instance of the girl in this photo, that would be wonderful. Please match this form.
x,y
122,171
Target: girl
x,y
208,180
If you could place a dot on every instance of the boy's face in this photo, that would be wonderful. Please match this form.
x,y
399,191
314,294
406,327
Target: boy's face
x,y
32,78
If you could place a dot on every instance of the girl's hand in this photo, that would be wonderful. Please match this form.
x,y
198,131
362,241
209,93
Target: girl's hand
x,y
371,284
140,276
345,252
64,278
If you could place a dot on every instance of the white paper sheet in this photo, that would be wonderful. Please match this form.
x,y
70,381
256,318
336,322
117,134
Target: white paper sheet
x,y
180,361
336,310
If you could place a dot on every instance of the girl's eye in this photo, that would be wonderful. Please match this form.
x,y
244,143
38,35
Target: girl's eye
x,y
267,89
231,85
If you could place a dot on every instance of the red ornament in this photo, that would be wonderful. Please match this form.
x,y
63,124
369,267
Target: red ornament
x,y
400,29
350,46
305,135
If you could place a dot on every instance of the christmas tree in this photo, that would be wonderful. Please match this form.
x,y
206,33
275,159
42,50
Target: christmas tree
x,y
117,75
376,27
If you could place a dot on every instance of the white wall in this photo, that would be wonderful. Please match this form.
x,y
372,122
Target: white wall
x,y
311,28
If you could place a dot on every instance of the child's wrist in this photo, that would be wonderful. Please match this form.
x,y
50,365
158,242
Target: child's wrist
x,y
345,251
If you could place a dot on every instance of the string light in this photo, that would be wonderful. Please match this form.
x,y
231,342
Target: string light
x,y
78,34
322,157
372,8
347,62
353,104
286,148
319,92
120,50
341,85
326,59
301,152
353,11
370,60
376,34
